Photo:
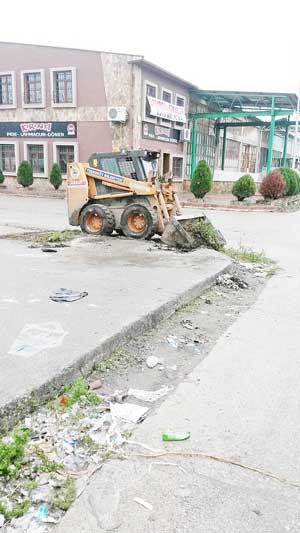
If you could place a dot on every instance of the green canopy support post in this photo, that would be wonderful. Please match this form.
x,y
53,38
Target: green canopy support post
x,y
271,136
224,149
194,147
286,136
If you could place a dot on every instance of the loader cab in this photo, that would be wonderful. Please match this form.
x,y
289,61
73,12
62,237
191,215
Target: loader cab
x,y
140,165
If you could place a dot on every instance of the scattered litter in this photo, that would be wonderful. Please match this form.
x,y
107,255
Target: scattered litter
x,y
117,396
172,339
208,301
43,512
27,422
34,338
67,295
128,411
231,281
187,324
2,519
149,396
170,437
152,361
49,249
143,503
94,385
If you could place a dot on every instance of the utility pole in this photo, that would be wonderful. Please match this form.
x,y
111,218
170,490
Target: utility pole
x,y
296,130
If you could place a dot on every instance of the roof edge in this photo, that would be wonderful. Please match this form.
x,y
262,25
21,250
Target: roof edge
x,y
143,62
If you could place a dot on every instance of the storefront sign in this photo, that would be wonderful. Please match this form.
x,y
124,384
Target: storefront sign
x,y
161,109
38,129
160,133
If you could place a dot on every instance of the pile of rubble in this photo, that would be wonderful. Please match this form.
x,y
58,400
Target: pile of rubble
x,y
64,444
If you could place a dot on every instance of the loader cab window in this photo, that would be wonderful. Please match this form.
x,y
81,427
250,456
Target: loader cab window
x,y
150,167
110,165
127,168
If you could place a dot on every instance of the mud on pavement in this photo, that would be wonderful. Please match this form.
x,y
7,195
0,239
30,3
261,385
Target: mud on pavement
x,y
61,445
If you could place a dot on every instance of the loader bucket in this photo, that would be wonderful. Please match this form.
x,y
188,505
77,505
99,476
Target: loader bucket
x,y
190,232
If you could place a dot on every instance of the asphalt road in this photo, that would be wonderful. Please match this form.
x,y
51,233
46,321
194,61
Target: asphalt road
x,y
32,213
242,403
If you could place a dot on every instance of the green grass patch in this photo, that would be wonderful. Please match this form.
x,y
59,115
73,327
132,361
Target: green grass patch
x,y
44,237
76,391
248,255
12,453
119,357
18,510
45,464
65,495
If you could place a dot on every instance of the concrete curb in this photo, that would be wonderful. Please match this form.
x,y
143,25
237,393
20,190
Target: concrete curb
x,y
15,410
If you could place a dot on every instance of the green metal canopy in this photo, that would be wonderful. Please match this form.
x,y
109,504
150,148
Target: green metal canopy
x,y
237,104
251,101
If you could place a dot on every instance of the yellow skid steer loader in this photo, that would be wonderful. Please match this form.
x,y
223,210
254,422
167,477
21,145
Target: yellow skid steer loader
x,y
119,191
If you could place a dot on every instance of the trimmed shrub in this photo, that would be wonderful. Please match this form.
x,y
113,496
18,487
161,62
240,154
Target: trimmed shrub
x,y
55,176
273,185
244,187
298,183
2,177
202,180
290,177
25,176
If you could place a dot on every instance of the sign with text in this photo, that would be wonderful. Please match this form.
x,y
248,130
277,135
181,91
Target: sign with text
x,y
160,133
162,109
38,129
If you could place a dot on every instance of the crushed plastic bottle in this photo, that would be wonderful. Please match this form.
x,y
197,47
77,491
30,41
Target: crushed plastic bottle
x,y
170,437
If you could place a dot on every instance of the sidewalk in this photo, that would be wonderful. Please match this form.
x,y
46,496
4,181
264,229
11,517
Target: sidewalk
x,y
131,286
241,402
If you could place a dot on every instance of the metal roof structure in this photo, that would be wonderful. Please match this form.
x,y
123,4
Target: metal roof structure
x,y
242,104
244,100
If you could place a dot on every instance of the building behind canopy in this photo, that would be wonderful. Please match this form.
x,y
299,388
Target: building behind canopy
x,y
61,104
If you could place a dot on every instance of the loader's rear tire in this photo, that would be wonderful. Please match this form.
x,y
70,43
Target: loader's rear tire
x,y
138,222
97,219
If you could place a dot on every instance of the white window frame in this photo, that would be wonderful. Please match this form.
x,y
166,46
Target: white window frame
x,y
33,71
14,92
165,122
46,166
176,127
17,160
149,119
178,156
76,151
74,87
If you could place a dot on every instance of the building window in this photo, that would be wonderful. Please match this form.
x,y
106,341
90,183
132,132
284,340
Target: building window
x,y
180,102
65,153
151,90
36,157
166,97
63,84
177,166
33,87
8,158
6,89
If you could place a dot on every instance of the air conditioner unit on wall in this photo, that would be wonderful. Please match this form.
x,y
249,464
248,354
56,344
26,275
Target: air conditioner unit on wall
x,y
117,114
185,135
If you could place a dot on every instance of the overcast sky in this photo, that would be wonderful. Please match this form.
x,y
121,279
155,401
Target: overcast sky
x,y
229,44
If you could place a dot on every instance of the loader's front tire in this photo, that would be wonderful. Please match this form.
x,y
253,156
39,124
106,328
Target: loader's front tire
x,y
97,219
138,222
